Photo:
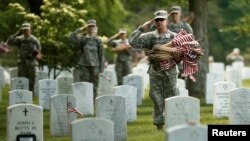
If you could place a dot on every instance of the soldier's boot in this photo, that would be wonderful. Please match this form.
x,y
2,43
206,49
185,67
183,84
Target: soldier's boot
x,y
159,127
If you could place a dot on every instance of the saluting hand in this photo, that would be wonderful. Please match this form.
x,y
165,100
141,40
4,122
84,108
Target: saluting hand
x,y
84,27
147,24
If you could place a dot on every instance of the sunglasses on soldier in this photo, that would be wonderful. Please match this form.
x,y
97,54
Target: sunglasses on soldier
x,y
159,19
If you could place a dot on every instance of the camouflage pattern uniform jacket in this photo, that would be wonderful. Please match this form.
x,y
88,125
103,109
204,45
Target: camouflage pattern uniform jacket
x,y
182,25
123,60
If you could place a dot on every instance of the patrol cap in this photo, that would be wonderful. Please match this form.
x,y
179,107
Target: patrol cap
x,y
91,22
175,9
26,25
122,30
161,14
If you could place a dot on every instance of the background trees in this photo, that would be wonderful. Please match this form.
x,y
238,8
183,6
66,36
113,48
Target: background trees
x,y
227,25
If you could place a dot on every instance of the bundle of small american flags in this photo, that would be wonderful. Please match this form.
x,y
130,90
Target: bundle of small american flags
x,y
182,48
71,109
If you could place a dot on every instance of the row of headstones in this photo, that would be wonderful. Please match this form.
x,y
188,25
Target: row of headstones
x,y
83,91
232,102
22,83
26,119
178,110
26,128
217,73
228,101
139,79
65,86
107,81
220,67
47,91
224,91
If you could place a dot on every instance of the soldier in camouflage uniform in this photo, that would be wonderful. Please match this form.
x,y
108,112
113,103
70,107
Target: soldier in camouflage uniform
x,y
91,59
123,60
29,49
176,24
162,83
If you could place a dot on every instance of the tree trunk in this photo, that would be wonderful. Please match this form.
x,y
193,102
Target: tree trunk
x,y
199,24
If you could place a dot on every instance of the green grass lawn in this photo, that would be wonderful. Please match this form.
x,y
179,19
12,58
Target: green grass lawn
x,y
141,130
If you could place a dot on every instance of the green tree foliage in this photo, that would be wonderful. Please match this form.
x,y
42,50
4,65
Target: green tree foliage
x,y
242,30
57,19
109,14
227,15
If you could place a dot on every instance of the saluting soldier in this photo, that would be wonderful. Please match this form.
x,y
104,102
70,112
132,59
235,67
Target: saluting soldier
x,y
121,47
91,59
29,50
162,82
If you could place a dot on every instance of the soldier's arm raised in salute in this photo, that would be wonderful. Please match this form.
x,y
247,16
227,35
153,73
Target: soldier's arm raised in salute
x,y
140,40
74,38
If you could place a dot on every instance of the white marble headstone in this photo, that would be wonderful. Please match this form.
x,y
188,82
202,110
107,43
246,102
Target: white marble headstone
x,y
187,132
113,108
130,93
39,76
235,76
20,97
19,83
2,81
106,86
24,122
135,80
211,79
47,88
217,67
181,110
92,129
2,77
111,67
64,83
239,106
83,91
238,64
13,72
183,91
76,75
142,69
180,83
60,118
221,98
246,73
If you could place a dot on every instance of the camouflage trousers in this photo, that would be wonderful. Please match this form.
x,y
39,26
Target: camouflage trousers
x,y
161,87
122,68
90,74
28,71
